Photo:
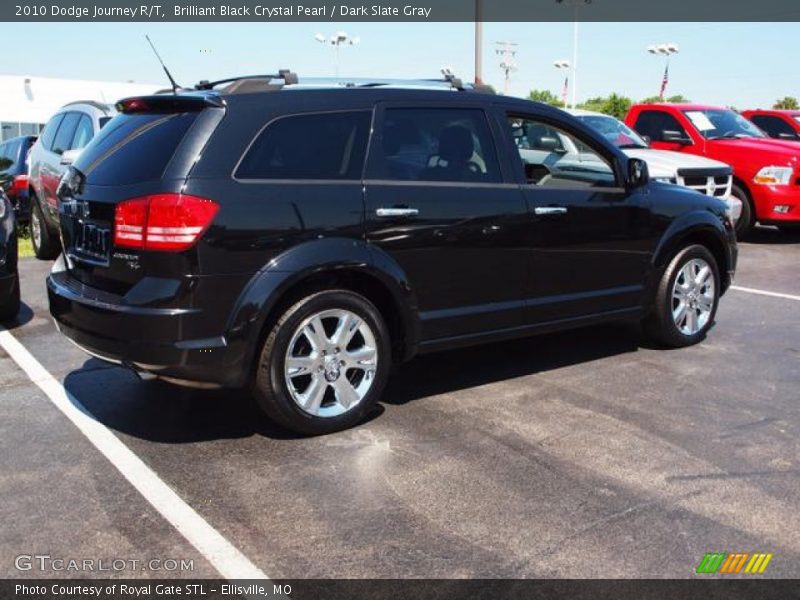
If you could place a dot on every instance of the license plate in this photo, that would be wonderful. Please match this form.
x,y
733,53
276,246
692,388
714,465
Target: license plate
x,y
93,241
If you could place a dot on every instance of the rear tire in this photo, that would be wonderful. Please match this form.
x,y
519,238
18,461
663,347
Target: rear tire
x,y
46,246
324,363
686,299
744,226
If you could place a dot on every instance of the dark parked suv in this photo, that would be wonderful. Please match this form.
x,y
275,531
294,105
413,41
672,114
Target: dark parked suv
x,y
299,240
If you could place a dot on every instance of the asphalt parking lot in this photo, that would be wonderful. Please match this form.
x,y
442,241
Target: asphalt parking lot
x,y
581,454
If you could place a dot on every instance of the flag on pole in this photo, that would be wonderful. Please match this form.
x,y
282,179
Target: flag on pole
x,y
565,92
664,82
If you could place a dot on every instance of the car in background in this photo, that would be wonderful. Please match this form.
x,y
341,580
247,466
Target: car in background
x,y
778,124
766,175
707,176
9,278
62,140
14,173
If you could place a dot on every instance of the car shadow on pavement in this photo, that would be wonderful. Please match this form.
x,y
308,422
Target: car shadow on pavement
x,y
164,413
772,235
455,370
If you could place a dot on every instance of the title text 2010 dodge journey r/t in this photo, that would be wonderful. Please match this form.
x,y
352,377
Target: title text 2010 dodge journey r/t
x,y
299,240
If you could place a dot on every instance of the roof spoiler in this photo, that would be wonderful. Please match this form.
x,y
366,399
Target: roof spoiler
x,y
167,104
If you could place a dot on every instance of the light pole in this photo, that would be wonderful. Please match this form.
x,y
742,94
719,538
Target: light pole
x,y
563,65
506,51
338,39
576,4
664,50
478,44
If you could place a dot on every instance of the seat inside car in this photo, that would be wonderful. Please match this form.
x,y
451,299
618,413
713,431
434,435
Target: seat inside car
x,y
456,149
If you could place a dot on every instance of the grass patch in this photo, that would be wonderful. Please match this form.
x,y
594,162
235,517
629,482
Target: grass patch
x,y
24,241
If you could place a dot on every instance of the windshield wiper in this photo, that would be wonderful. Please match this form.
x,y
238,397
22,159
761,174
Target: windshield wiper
x,y
630,146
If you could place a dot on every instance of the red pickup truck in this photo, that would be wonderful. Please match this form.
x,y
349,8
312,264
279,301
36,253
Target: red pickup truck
x,y
765,170
778,124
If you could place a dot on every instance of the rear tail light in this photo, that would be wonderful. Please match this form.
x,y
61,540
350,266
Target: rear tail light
x,y
166,222
19,184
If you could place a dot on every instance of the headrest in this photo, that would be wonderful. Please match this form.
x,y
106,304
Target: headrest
x,y
456,144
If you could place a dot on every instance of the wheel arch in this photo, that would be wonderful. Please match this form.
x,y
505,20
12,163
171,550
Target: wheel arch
x,y
694,228
317,265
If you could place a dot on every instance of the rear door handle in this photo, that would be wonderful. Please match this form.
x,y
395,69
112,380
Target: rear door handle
x,y
550,210
397,212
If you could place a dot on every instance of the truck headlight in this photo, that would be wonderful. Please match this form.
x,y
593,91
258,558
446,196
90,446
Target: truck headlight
x,y
774,176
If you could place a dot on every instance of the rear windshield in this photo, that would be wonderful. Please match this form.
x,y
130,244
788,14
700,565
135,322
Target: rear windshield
x,y
133,148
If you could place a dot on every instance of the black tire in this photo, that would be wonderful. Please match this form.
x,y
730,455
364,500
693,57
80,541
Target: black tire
x,y
747,220
269,383
46,246
660,325
10,307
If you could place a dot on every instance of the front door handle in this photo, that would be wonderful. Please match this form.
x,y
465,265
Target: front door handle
x,y
550,210
397,212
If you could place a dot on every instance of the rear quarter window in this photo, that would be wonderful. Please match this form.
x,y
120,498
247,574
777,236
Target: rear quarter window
x,y
133,148
309,146
49,133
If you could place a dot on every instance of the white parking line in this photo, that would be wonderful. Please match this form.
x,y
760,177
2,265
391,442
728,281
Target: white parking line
x,y
223,555
739,288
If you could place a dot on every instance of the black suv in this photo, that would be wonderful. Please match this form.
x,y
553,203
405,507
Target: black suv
x,y
299,239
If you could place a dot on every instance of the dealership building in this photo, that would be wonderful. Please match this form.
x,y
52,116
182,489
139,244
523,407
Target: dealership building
x,y
27,102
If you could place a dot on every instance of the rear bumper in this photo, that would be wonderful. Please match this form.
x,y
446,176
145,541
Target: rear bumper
x,y
145,339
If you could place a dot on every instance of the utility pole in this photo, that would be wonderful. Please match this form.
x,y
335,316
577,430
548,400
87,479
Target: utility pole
x,y
575,4
507,52
338,39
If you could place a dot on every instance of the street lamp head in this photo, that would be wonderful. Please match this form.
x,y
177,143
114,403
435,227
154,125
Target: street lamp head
x,y
320,38
652,49
673,48
561,64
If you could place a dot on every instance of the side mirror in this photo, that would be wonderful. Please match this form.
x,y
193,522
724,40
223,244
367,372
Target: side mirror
x,y
69,156
638,173
675,137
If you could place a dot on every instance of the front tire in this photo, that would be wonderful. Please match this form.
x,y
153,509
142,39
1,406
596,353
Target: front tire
x,y
324,364
45,245
686,299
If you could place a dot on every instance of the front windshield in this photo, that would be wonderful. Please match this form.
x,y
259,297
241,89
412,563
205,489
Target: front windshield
x,y
715,124
614,131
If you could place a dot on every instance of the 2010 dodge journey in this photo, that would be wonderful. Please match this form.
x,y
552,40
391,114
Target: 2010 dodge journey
x,y
297,240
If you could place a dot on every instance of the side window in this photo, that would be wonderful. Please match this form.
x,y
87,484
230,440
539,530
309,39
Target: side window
x,y
83,133
775,127
49,133
653,123
554,158
437,144
65,132
309,146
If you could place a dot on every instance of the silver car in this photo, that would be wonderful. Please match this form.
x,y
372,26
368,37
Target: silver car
x,y
62,140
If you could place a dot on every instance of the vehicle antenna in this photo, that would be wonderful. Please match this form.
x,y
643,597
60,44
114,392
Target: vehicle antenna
x,y
175,86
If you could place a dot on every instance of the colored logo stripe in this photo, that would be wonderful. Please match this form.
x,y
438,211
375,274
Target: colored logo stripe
x,y
732,563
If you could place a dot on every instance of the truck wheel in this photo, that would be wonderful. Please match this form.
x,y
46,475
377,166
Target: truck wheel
x,y
744,226
324,363
45,245
686,299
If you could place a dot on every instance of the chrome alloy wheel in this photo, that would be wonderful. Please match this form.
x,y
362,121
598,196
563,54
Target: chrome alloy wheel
x,y
693,296
330,363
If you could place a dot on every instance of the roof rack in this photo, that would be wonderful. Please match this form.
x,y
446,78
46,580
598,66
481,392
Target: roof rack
x,y
94,103
286,75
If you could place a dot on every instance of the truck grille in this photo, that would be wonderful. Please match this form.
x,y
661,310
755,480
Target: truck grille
x,y
718,186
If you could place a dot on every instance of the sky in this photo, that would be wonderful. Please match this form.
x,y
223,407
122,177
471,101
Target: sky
x,y
746,65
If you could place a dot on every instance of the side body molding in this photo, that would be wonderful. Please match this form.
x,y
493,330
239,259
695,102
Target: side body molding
x,y
322,256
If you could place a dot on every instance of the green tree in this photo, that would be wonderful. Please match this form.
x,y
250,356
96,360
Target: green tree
x,y
615,105
676,99
787,103
546,97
